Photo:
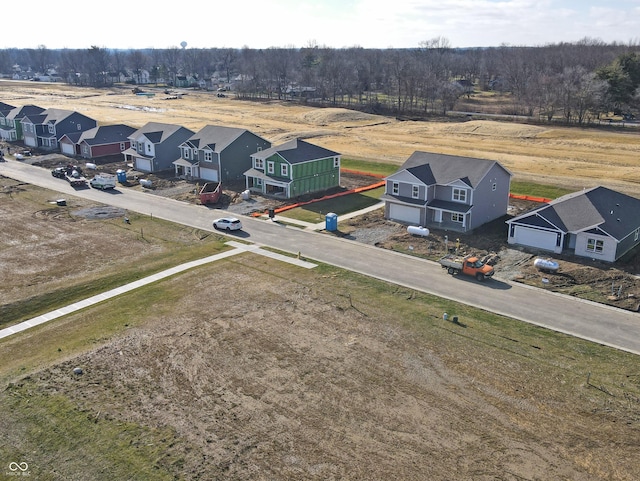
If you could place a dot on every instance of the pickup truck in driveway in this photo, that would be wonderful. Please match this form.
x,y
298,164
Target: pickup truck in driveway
x,y
469,265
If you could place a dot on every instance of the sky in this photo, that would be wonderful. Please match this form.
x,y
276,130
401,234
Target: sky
x,y
258,24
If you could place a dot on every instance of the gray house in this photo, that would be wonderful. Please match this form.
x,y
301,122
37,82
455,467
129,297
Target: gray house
x,y
44,130
447,192
218,153
598,223
11,121
156,146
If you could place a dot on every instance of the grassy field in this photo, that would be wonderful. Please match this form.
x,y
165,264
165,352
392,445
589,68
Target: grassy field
x,y
254,369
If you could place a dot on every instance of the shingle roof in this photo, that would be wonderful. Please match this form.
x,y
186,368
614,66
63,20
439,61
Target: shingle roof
x,y
157,132
296,151
107,134
443,169
215,137
612,212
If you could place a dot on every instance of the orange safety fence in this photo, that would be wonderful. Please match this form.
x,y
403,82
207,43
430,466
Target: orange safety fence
x,y
371,187
531,198
366,174
326,197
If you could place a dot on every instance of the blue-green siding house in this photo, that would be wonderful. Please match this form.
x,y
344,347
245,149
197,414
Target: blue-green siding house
x,y
293,169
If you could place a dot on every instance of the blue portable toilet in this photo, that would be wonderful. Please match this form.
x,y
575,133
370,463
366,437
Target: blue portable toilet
x,y
331,222
122,176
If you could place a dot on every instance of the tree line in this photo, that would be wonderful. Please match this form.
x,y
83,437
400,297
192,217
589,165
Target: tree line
x,y
574,82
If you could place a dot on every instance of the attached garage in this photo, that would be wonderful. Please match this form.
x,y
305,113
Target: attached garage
x,y
143,165
209,174
537,238
67,148
405,213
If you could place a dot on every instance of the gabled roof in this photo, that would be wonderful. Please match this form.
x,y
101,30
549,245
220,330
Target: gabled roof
x,y
297,151
444,169
5,109
157,132
21,112
107,134
599,208
215,137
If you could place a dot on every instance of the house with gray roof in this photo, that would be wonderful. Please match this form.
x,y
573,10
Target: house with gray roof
x,y
293,169
44,130
447,192
155,146
598,223
218,154
105,140
11,121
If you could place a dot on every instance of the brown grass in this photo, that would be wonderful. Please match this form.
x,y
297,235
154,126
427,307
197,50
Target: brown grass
x,y
569,157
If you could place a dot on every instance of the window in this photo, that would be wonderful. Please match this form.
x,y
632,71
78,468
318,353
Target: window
x,y
336,162
258,181
494,186
415,191
459,195
270,167
456,217
208,156
284,170
122,146
52,130
85,149
395,188
149,149
259,163
595,245
79,126
195,154
185,153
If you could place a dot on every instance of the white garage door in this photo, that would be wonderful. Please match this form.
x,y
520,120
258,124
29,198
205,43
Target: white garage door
x,y
209,174
68,149
143,165
536,238
405,213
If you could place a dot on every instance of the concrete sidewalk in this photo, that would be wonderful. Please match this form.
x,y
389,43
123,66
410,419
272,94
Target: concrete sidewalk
x,y
238,248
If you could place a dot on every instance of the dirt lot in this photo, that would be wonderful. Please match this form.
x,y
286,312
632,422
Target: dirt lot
x,y
255,369
310,375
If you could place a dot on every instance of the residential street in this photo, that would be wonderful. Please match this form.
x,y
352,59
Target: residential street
x,y
587,320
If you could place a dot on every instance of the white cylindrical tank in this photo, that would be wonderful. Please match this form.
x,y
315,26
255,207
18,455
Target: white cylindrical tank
x,y
145,183
90,166
246,194
546,265
418,230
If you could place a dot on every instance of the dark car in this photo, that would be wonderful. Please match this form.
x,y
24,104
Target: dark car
x,y
59,172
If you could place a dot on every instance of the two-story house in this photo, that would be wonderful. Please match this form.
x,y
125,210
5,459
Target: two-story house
x,y
44,130
218,154
447,192
11,121
292,169
156,146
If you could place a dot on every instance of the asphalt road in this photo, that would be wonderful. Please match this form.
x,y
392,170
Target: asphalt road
x,y
584,319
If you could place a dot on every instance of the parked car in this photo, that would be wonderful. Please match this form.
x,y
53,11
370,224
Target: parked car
x,y
227,223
